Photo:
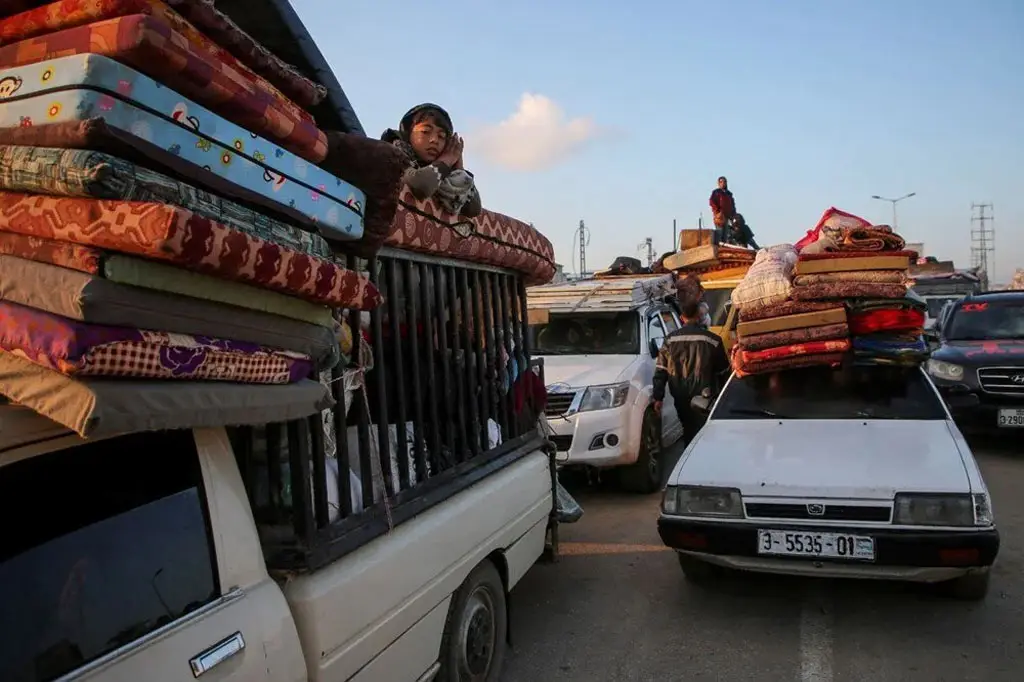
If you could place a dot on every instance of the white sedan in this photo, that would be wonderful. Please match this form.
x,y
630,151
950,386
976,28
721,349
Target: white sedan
x,y
856,472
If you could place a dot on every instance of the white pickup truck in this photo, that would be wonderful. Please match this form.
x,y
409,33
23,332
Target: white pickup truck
x,y
599,339
166,547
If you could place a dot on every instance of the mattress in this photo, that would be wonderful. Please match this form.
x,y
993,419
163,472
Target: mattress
x,y
85,173
753,358
67,14
845,290
154,48
787,363
490,239
149,274
88,298
810,264
820,318
175,235
181,134
754,342
80,349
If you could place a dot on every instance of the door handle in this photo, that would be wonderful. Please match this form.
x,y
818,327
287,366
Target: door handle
x,y
217,654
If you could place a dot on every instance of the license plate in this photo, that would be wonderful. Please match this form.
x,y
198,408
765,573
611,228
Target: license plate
x,y
824,545
1011,418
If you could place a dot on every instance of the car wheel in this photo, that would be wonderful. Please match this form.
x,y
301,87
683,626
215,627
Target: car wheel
x,y
697,571
970,587
476,633
644,475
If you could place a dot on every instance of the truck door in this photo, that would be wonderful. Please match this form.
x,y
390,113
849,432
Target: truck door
x,y
661,323
114,572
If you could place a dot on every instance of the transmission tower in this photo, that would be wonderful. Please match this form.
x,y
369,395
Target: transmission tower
x,y
583,235
983,238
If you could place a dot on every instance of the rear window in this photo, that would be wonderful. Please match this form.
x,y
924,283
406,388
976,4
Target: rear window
x,y
719,301
992,320
826,393
102,544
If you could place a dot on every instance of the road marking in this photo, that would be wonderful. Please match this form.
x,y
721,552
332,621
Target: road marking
x,y
579,548
816,620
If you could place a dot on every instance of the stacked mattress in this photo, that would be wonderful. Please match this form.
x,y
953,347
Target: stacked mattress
x,y
163,218
490,238
844,297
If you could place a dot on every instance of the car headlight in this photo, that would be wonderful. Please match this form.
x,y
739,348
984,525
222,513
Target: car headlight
x,y
945,370
912,509
696,500
604,397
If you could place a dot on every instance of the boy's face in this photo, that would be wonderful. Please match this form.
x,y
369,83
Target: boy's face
x,y
428,139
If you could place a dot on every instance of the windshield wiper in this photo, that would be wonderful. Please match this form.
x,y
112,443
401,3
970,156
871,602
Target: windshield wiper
x,y
756,411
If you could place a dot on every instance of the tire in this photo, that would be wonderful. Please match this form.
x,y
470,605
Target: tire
x,y
970,587
696,571
475,636
644,476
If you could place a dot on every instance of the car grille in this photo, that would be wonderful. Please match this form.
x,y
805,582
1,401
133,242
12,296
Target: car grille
x,y
832,512
1002,380
562,443
558,404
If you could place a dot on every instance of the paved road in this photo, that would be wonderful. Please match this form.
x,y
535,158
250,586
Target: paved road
x,y
616,607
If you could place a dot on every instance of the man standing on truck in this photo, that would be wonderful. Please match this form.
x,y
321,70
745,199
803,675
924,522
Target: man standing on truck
x,y
723,207
692,360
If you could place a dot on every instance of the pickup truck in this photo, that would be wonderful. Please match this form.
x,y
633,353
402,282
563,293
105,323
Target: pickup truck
x,y
367,525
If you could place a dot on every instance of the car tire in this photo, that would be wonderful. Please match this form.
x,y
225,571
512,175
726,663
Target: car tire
x,y
644,476
970,587
696,571
475,638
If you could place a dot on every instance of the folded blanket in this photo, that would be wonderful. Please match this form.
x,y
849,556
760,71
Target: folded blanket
x,y
886,320
873,276
40,250
909,302
874,238
843,290
784,308
787,363
889,344
80,349
178,236
85,173
748,358
826,332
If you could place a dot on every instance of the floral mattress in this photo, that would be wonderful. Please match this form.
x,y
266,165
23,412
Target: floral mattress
x,y
80,349
180,133
178,236
490,239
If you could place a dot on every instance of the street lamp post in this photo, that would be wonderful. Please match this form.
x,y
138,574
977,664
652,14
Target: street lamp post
x,y
894,202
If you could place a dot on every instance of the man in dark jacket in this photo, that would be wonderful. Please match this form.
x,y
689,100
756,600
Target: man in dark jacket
x,y
691,360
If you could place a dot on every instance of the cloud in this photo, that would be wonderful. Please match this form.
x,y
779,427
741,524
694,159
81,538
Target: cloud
x,y
536,136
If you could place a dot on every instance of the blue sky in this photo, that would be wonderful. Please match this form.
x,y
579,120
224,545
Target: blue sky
x,y
802,104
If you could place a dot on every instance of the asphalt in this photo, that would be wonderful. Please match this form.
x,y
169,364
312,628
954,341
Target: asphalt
x,y
615,607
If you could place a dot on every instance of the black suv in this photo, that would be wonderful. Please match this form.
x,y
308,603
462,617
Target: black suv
x,y
979,365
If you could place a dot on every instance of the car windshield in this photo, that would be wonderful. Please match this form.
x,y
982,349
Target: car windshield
x,y
590,333
826,393
991,320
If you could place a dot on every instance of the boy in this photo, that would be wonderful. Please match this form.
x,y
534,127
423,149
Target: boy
x,y
427,138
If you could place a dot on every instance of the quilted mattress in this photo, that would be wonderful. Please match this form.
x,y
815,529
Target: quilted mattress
x,y
182,134
154,48
490,239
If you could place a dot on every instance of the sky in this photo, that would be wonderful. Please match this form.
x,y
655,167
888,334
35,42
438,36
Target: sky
x,y
623,115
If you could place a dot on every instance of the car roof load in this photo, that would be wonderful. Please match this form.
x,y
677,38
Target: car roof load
x,y
609,293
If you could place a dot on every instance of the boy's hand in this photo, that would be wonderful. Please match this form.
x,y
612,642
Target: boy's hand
x,y
657,407
452,154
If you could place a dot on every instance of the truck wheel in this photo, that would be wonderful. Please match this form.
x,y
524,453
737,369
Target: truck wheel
x,y
644,475
476,633
970,587
696,571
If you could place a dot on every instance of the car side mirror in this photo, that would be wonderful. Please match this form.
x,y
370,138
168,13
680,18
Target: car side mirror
x,y
701,403
654,350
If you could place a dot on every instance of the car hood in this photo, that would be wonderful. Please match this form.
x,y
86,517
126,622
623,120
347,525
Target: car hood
x,y
981,352
866,459
578,371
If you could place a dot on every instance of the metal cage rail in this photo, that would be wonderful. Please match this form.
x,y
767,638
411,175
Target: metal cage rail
x,y
433,414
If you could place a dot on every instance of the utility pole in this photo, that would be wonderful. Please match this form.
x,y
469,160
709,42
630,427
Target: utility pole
x,y
983,239
675,236
584,240
894,202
